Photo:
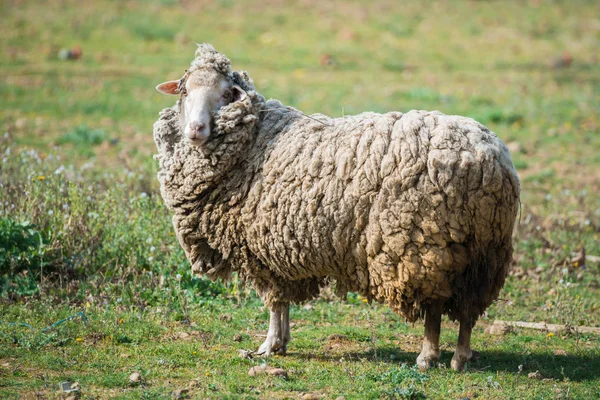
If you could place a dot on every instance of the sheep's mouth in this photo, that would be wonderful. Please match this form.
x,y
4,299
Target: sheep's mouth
x,y
197,142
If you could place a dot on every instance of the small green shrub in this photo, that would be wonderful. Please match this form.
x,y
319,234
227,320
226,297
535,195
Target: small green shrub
x,y
21,245
83,136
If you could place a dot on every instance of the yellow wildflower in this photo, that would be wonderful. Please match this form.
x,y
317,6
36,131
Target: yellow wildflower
x,y
550,334
41,178
78,339
207,374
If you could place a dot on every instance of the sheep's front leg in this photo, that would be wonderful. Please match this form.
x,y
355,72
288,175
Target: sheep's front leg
x,y
279,332
431,341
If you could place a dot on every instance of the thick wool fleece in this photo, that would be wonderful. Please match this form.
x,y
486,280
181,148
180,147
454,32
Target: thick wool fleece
x,y
405,209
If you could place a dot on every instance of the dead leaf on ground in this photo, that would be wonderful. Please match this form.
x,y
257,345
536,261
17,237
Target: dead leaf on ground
x,y
193,383
335,341
180,393
225,317
246,353
578,261
326,60
535,375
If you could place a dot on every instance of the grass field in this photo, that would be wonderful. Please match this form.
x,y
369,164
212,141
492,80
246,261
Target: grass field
x,y
83,229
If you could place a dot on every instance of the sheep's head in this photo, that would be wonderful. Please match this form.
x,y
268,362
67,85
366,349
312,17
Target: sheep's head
x,y
207,86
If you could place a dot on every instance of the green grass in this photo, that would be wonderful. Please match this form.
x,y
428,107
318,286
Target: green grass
x,y
83,228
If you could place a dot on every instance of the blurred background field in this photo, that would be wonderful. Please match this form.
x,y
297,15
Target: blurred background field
x,y
83,228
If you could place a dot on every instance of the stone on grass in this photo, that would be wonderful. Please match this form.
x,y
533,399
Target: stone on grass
x,y
135,377
498,329
312,396
263,369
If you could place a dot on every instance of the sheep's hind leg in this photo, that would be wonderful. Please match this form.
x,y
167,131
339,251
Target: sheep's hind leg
x,y
274,341
464,352
285,328
430,352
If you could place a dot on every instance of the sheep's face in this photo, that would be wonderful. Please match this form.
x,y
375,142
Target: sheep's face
x,y
203,93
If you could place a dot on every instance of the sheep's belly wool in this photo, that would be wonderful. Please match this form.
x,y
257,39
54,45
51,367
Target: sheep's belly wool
x,y
403,208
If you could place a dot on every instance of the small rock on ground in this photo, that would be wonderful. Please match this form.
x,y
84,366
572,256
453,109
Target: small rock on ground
x,y
135,377
263,369
312,396
498,329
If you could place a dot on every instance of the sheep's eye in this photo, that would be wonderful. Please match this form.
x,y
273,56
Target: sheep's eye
x,y
226,95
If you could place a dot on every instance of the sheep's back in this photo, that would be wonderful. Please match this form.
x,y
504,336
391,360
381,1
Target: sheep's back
x,y
394,206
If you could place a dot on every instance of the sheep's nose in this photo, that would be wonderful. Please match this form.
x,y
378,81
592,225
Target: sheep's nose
x,y
197,127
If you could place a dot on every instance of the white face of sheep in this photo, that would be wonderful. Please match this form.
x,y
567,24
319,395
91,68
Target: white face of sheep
x,y
206,91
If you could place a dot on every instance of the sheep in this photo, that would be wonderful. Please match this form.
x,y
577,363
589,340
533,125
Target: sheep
x,y
412,209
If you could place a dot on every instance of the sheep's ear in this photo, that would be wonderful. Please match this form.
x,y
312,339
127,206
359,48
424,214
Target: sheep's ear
x,y
238,93
169,87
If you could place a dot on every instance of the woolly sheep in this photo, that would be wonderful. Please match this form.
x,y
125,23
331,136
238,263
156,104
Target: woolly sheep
x,y
413,209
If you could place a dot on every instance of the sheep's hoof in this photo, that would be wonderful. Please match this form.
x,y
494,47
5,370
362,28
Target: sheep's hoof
x,y
425,362
282,351
271,346
459,361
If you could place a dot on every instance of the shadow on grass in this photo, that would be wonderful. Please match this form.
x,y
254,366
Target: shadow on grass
x,y
576,367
